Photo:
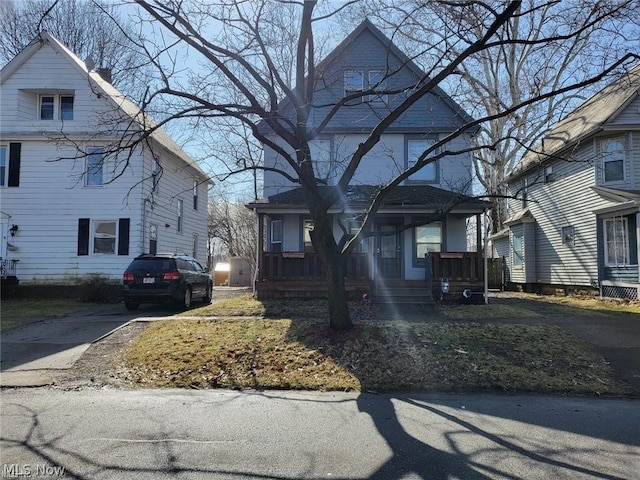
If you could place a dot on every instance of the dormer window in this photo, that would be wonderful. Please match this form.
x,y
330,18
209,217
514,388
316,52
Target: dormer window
x,y
55,107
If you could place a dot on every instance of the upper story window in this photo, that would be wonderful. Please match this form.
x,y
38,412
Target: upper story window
x,y
180,215
353,84
55,107
548,174
155,174
357,81
195,195
320,150
3,165
613,157
415,148
525,192
378,82
94,175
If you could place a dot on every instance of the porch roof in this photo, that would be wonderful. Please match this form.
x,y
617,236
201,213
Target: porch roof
x,y
409,197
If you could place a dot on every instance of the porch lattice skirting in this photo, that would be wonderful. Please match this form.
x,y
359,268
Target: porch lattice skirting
x,y
617,291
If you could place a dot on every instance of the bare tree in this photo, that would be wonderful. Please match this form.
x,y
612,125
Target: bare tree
x,y
92,29
541,48
243,81
233,226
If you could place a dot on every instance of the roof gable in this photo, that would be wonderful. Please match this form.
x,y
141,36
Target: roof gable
x,y
98,86
367,48
586,120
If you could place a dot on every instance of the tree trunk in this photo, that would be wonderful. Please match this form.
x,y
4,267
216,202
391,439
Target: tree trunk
x,y
339,318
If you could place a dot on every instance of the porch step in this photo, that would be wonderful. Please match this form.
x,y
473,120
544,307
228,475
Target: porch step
x,y
404,295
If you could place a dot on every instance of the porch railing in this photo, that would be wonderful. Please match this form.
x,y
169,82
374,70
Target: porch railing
x,y
8,267
307,266
457,266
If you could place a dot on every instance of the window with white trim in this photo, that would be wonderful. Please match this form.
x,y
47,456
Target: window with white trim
x,y
518,250
307,227
276,235
525,192
180,215
427,239
153,239
354,227
155,174
320,150
55,107
104,236
613,159
194,246
4,165
353,84
94,175
378,82
195,195
616,242
415,148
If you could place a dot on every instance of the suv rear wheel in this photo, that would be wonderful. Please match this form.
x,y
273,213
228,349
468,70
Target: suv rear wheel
x,y
131,306
209,294
185,303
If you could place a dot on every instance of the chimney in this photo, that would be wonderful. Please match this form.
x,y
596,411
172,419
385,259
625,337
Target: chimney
x,y
105,73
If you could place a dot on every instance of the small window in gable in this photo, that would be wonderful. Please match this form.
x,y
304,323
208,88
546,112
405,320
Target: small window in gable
x,y
378,82
353,84
46,107
613,157
66,108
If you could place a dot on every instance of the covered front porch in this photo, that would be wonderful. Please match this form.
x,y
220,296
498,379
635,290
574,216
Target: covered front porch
x,y
407,254
302,274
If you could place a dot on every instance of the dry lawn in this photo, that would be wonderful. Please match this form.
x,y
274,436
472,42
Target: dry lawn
x,y
263,345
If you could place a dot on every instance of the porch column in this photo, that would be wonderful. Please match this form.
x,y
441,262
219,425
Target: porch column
x,y
479,245
260,245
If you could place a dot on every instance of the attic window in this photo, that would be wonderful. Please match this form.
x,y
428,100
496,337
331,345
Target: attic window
x,y
353,84
52,107
548,174
378,82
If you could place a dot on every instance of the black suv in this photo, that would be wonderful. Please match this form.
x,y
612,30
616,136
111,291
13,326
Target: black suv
x,y
161,278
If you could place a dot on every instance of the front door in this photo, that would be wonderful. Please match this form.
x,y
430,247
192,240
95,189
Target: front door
x,y
389,251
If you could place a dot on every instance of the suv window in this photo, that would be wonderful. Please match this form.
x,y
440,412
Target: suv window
x,y
184,264
153,264
196,266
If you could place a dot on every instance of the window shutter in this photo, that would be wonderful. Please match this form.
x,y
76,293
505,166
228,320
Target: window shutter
x,y
123,236
83,236
14,165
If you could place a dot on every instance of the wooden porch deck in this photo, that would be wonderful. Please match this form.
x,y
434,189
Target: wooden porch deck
x,y
302,275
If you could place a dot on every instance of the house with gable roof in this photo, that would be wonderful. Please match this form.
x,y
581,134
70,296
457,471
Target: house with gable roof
x,y
393,263
576,221
73,203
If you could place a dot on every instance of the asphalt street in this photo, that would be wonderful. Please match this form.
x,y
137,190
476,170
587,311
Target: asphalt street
x,y
108,434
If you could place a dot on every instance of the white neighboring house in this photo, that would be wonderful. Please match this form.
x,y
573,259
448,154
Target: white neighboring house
x,y
71,203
